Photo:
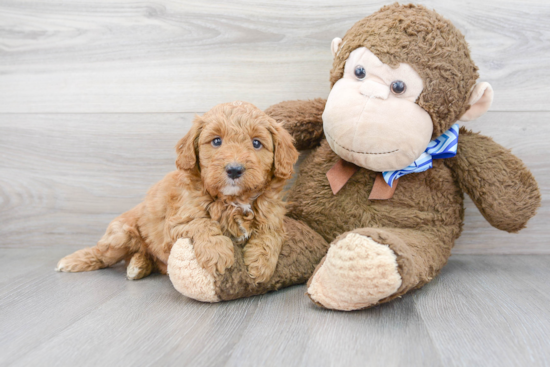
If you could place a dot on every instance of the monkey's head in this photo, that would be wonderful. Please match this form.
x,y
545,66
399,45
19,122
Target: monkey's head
x,y
401,77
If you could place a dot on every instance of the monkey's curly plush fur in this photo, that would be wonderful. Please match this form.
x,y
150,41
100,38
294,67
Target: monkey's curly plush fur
x,y
382,249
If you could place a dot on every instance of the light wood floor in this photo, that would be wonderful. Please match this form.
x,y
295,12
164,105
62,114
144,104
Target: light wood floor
x,y
94,94
484,310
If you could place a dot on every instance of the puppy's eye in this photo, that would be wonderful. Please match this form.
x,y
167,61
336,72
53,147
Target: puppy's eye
x,y
256,143
217,142
398,87
360,72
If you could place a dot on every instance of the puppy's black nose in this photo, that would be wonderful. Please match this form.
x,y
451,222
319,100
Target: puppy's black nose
x,y
234,170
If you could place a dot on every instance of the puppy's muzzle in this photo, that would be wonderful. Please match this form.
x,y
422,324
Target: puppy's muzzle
x,y
234,170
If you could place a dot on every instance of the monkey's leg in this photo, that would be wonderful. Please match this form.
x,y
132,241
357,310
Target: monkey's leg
x,y
301,252
368,266
120,241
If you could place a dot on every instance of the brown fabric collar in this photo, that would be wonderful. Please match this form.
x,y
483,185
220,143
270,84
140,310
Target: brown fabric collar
x,y
342,171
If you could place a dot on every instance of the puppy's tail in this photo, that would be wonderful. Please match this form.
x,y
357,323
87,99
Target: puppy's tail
x,y
121,240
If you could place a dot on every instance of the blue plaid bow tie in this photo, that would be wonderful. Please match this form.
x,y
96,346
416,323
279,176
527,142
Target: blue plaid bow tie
x,y
442,147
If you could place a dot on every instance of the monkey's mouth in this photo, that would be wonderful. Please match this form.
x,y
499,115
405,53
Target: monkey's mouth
x,y
359,152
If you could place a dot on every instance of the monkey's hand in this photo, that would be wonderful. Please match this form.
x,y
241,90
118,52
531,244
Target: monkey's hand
x,y
302,119
502,188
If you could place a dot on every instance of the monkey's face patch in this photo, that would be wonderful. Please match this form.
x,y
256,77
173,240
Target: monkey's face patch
x,y
371,117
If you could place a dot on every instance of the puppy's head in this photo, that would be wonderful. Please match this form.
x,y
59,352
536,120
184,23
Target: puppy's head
x,y
236,148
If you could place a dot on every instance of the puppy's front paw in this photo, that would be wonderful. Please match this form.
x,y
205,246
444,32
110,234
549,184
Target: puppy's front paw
x,y
214,253
260,264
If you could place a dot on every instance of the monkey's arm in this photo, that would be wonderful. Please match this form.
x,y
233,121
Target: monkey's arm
x,y
302,119
503,189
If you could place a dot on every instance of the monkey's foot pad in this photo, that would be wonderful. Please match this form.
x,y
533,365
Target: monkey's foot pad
x,y
356,273
187,276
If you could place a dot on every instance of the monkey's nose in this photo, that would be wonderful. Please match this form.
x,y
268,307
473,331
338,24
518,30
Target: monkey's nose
x,y
372,89
234,170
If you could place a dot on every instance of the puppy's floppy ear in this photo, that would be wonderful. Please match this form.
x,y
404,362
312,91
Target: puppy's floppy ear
x,y
186,148
285,152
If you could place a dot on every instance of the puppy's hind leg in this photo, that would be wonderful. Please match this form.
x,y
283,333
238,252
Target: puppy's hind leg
x,y
140,266
121,240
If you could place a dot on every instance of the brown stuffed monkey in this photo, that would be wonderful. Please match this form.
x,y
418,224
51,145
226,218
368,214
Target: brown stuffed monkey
x,y
378,204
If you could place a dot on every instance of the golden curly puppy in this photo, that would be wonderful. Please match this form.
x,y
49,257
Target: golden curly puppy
x,y
232,166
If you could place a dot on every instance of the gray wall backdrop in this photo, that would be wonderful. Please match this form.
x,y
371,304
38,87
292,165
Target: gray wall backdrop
x,y
95,94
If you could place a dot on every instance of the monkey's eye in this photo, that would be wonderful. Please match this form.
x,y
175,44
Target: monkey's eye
x,y
360,72
256,143
217,142
398,87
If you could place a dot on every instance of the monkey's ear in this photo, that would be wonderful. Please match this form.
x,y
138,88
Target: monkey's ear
x,y
185,149
480,101
335,45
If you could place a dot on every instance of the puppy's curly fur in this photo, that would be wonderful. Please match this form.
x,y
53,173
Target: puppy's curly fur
x,y
203,202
